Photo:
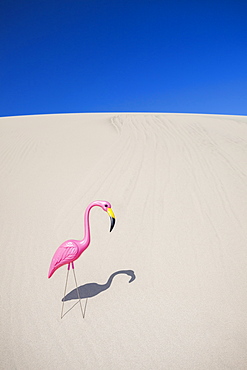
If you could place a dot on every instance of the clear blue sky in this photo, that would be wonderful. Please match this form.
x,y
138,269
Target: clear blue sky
x,y
68,56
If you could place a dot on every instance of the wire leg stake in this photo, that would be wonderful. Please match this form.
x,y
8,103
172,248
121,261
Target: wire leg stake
x,y
79,298
83,313
65,289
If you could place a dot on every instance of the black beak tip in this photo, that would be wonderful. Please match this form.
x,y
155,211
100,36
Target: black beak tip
x,y
112,223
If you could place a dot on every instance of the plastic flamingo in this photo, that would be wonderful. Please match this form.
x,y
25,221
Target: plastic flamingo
x,y
70,250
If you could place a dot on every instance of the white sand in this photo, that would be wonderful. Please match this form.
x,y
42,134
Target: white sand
x,y
177,184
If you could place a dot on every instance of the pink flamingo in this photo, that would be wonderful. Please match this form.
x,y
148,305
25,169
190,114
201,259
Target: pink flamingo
x,y
70,250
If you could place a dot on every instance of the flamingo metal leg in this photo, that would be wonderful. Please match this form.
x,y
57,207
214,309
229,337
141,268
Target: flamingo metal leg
x,y
65,289
83,313
79,298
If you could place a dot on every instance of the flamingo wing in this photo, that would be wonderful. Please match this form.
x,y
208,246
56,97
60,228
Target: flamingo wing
x,y
66,253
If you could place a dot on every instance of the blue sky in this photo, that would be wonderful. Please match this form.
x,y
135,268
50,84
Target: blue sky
x,y
123,56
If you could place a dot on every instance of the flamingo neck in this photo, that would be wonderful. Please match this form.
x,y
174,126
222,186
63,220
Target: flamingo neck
x,y
86,240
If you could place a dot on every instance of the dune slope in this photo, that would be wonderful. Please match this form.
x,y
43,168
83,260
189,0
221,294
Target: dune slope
x,y
167,288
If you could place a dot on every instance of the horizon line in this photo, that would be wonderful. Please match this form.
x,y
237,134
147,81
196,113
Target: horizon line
x,y
96,113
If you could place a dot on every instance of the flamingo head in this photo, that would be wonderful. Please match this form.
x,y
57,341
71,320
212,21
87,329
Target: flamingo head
x,y
106,206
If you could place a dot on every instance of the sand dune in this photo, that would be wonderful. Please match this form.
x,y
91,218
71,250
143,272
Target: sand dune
x,y
167,289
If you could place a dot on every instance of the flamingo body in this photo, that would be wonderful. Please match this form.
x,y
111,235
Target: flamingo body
x,y
67,253
70,250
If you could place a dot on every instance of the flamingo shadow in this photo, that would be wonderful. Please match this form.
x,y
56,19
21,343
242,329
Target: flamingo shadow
x,y
92,289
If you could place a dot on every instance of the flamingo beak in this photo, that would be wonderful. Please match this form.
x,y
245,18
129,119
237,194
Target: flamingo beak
x,y
112,218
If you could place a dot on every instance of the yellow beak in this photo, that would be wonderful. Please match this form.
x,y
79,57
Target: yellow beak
x,y
112,217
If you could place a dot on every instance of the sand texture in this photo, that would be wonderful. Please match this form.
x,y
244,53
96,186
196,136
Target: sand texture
x,y
168,287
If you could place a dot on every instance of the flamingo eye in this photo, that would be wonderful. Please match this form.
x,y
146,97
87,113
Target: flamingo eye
x,y
106,205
